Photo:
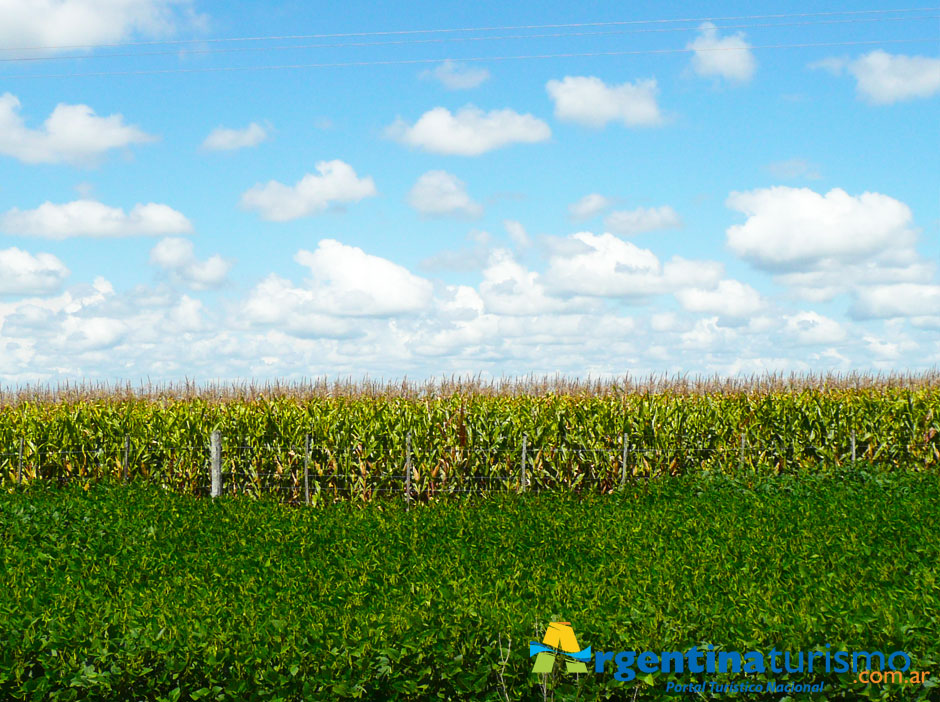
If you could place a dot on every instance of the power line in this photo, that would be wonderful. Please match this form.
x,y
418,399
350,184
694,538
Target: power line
x,y
447,40
396,62
340,35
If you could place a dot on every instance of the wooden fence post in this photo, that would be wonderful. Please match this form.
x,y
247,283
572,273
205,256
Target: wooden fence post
x,y
522,487
408,470
125,471
623,461
741,457
307,470
853,448
215,458
19,465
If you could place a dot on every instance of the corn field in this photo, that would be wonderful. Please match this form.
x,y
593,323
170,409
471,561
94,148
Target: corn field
x,y
469,436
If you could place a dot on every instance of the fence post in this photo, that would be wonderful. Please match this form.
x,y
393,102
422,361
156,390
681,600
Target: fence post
x,y
19,465
307,470
127,457
365,484
853,448
408,470
741,457
623,461
525,438
215,458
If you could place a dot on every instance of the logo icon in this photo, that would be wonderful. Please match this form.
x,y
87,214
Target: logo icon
x,y
559,640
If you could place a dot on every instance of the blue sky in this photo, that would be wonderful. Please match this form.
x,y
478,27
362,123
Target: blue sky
x,y
704,205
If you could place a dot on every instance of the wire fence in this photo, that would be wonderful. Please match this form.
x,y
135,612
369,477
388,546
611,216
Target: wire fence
x,y
314,473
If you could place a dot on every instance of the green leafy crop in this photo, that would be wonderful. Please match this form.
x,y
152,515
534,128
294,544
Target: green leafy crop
x,y
135,593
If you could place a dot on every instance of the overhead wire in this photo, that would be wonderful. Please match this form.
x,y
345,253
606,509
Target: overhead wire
x,y
447,40
419,61
339,35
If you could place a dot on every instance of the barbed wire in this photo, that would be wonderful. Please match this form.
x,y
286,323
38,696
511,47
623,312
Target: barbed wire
x,y
246,468
296,453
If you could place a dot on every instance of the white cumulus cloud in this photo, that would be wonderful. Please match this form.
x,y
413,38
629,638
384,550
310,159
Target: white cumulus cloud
x,y
826,279
454,75
508,288
517,233
22,273
177,257
589,206
883,78
883,350
439,193
277,302
899,300
727,57
709,335
226,139
642,219
731,298
589,101
470,131
72,134
92,333
336,184
811,328
607,266
94,219
797,228
89,22
345,282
